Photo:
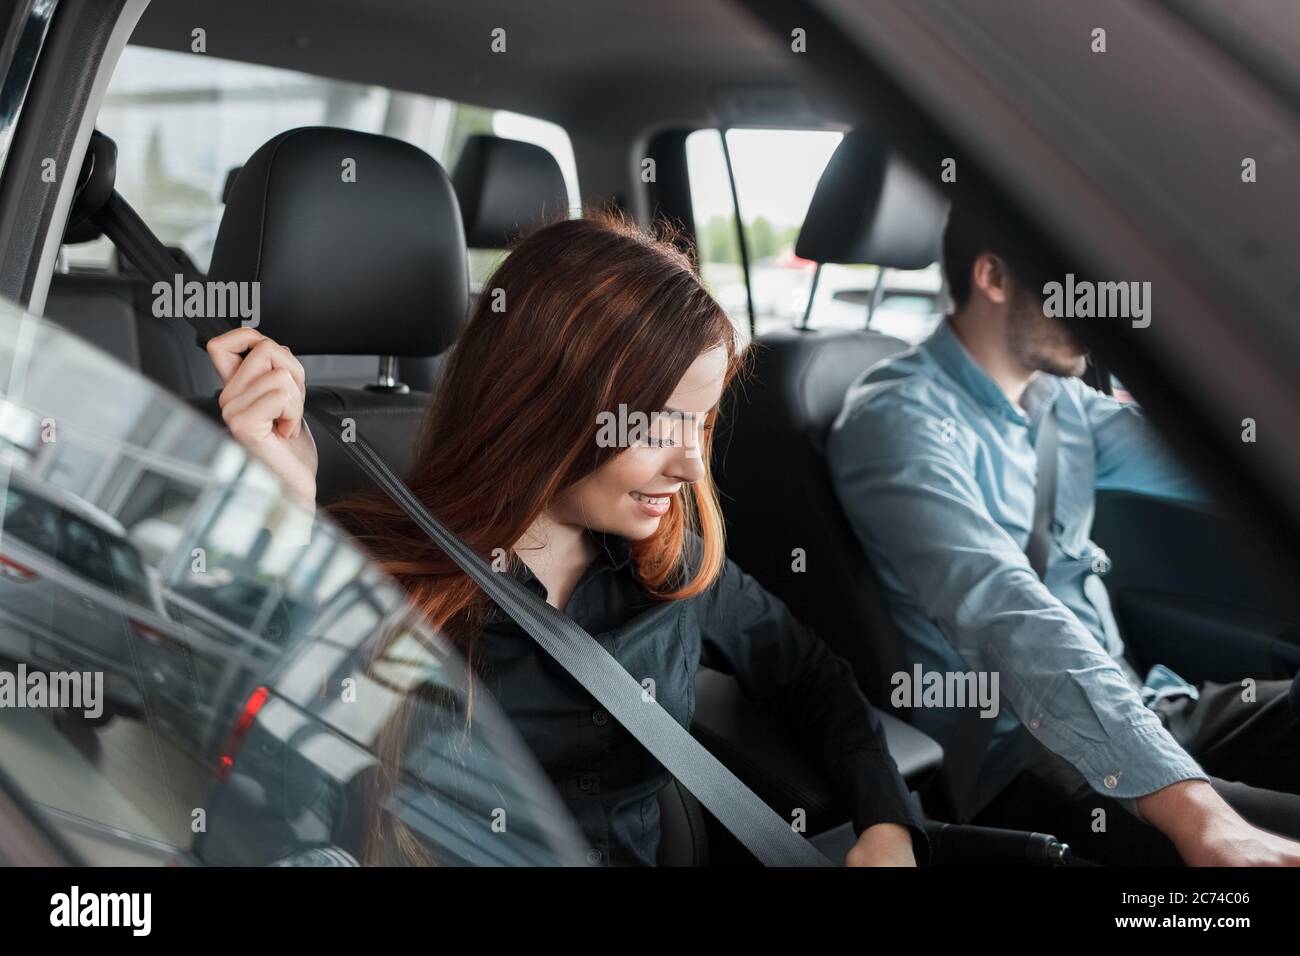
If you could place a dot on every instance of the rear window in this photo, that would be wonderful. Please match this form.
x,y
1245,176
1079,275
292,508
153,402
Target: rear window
x,y
775,172
183,121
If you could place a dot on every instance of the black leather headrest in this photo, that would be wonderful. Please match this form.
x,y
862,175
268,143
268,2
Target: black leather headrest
x,y
504,186
356,240
870,207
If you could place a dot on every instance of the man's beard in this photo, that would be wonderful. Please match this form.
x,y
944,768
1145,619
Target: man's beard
x,y
1041,343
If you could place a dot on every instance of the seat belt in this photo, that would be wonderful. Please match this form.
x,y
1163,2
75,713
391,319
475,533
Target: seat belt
x,y
1038,547
973,731
759,828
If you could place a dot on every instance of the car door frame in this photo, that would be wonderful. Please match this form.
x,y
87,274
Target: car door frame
x,y
67,68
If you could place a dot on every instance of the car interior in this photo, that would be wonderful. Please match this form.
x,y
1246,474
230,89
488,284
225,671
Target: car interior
x,y
370,287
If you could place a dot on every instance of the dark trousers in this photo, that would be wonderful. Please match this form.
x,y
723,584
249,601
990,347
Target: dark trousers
x,y
1250,750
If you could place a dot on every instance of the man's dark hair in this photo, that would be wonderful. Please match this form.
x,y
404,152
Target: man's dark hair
x,y
971,231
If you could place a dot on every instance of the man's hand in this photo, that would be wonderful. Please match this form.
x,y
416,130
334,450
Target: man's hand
x,y
1208,832
885,844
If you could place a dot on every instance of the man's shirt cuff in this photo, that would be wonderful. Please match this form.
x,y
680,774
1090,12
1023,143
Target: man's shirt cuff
x,y
1138,762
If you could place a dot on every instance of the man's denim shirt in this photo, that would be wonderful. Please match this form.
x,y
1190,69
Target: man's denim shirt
x,y
936,470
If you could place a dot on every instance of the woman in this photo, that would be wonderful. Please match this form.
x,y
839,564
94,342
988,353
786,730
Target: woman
x,y
571,431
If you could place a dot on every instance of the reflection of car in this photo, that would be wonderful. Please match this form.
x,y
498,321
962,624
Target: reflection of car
x,y
298,769
69,581
292,772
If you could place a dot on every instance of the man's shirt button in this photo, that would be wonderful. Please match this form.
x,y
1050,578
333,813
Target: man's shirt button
x,y
1110,781
586,781
600,718
593,857
1035,724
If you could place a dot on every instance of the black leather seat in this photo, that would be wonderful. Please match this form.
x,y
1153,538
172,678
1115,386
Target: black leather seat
x,y
114,311
504,187
372,266
776,491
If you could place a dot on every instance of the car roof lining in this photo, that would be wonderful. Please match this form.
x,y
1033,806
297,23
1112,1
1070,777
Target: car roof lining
x,y
585,64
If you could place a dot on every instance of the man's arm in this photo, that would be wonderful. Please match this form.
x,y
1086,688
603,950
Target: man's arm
x,y
913,501
915,506
1130,454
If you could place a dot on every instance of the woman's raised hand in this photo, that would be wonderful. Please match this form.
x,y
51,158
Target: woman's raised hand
x,y
263,388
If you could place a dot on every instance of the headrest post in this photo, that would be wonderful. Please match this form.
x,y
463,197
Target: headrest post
x,y
812,294
388,381
877,293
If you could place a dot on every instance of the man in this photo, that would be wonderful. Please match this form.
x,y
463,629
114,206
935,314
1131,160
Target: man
x,y
934,460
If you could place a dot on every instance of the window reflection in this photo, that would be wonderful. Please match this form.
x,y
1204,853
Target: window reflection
x,y
248,711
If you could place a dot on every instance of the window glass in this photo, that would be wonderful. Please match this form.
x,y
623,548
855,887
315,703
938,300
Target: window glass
x,y
248,688
30,521
128,574
83,550
716,239
182,121
776,173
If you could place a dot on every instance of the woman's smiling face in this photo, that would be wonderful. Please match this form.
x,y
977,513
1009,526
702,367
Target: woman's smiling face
x,y
630,493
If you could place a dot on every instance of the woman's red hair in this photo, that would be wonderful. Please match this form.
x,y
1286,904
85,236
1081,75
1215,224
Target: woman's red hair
x,y
584,315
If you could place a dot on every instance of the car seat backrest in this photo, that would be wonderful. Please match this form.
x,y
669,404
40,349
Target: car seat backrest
x,y
785,524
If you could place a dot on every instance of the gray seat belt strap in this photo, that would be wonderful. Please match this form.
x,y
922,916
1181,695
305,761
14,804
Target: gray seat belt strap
x,y
1038,547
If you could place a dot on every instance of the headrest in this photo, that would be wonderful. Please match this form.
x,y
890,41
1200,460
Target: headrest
x,y
356,240
504,186
870,207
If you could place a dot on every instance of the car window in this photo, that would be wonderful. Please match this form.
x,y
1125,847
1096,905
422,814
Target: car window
x,y
277,695
183,121
29,520
90,552
128,573
776,173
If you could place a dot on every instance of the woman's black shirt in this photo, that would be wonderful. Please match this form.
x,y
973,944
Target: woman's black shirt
x,y
607,779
